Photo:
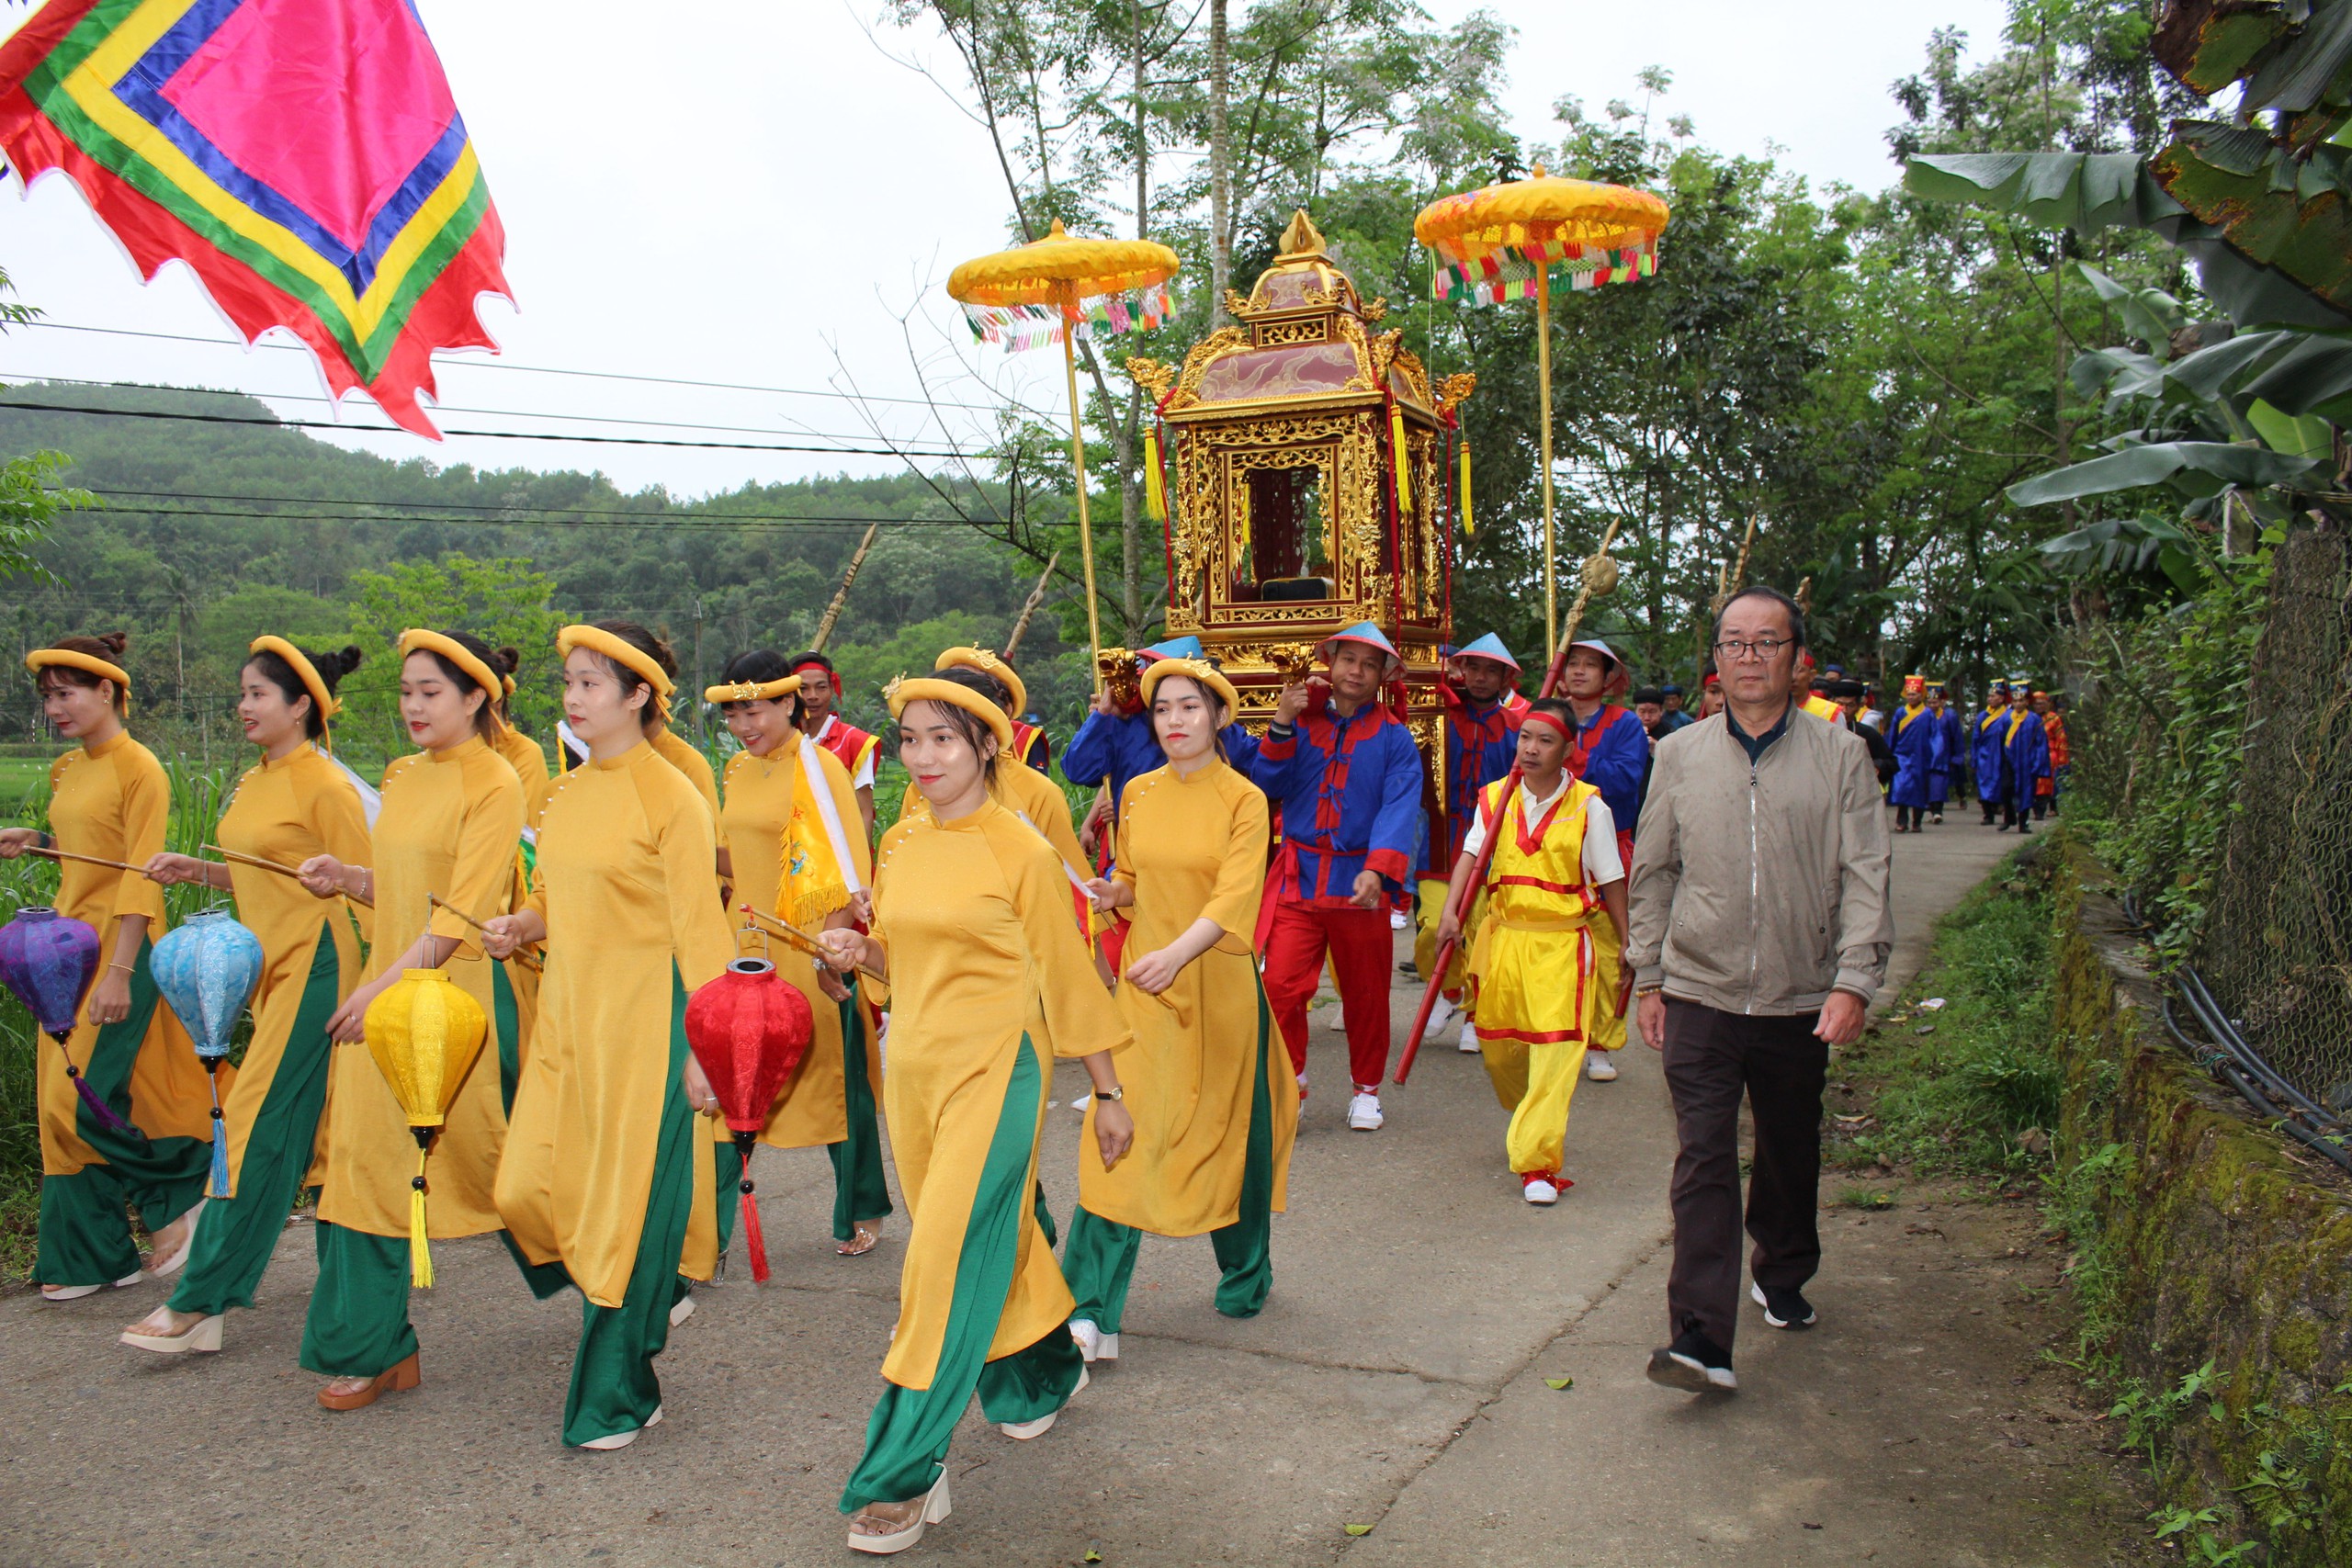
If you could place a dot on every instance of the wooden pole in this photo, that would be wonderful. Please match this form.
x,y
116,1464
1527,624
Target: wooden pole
x,y
440,903
799,937
1029,606
841,595
1543,397
85,860
1085,523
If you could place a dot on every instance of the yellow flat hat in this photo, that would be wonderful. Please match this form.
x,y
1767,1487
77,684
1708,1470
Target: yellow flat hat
x,y
1198,669
596,639
924,689
752,691
41,658
987,663
416,640
304,671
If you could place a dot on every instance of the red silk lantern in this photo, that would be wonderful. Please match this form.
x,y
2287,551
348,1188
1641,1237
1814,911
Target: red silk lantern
x,y
748,1029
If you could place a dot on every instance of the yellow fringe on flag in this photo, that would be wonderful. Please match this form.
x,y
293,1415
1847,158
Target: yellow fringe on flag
x,y
420,1255
1155,493
1469,529
1404,459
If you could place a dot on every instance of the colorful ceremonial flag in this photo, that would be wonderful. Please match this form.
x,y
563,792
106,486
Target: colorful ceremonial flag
x,y
304,157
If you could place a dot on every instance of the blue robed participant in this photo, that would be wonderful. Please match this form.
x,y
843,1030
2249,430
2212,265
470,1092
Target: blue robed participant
x,y
1916,740
1985,746
2025,755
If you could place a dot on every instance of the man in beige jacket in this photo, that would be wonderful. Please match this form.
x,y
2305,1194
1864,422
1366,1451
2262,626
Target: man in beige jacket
x,y
1760,936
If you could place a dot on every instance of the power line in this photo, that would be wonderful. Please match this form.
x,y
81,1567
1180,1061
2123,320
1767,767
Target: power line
x,y
647,518
708,524
5,376
488,435
462,362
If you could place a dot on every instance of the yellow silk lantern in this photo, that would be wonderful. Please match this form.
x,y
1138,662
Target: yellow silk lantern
x,y
425,1031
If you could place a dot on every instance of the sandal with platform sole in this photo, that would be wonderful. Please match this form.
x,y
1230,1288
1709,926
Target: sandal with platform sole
x,y
400,1375
935,1508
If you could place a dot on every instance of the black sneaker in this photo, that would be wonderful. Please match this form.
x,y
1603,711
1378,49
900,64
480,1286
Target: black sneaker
x,y
1694,1364
1783,1308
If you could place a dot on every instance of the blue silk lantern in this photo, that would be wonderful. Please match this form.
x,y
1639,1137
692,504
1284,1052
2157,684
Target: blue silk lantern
x,y
207,970
48,960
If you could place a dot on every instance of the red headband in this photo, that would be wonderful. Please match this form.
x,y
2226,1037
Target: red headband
x,y
1550,719
803,669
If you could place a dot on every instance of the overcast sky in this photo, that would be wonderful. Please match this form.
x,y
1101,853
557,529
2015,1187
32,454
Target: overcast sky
x,y
758,197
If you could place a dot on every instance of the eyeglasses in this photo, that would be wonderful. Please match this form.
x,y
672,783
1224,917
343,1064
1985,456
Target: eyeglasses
x,y
1763,649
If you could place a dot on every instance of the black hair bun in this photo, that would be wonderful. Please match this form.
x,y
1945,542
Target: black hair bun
x,y
114,642
507,661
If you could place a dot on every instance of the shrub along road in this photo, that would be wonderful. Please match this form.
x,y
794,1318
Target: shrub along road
x,y
1399,1379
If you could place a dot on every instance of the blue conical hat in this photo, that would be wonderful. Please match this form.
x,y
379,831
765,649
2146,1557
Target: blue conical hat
x,y
1490,646
1174,648
1370,636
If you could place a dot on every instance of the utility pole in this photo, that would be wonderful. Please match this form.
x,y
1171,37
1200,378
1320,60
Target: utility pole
x,y
695,696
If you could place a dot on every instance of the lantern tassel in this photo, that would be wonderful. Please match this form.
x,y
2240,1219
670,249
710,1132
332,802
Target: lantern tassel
x,y
755,1241
97,1107
1469,528
420,1254
219,1186
1404,459
1155,488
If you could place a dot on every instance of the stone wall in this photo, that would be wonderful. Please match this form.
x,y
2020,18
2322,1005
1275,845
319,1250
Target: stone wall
x,y
2214,1244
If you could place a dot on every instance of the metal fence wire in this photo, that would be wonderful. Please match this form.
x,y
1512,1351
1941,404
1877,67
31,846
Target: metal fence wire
x,y
2276,948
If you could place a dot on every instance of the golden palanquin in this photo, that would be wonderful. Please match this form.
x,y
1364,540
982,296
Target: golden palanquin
x,y
1283,521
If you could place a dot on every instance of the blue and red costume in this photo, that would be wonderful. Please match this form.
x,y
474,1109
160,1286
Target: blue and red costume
x,y
1612,754
1481,744
1349,791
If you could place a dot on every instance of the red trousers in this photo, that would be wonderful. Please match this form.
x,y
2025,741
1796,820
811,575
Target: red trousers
x,y
1359,943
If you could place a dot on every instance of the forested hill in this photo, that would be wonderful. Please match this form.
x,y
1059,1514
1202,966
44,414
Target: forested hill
x,y
210,534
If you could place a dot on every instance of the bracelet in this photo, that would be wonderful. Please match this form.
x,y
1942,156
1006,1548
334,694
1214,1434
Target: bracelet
x,y
1647,991
127,968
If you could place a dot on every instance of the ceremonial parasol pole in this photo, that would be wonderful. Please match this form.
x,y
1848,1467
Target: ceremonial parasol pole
x,y
1500,241
841,595
1600,576
1046,289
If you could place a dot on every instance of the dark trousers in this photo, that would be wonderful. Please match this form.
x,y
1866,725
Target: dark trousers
x,y
1712,1059
1910,816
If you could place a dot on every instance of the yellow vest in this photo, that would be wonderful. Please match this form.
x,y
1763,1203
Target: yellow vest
x,y
1536,878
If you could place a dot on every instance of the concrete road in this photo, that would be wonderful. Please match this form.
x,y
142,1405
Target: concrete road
x,y
1396,1380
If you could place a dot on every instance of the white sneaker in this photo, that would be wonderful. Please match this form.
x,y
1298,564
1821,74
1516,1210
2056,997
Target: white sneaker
x,y
1339,1019
1468,1043
623,1439
1092,1343
1364,1112
1396,922
1598,1067
680,1309
1445,1012
1539,1189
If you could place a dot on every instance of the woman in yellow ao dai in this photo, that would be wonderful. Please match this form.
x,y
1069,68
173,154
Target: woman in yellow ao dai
x,y
793,853
1215,1110
451,816
972,929
600,1175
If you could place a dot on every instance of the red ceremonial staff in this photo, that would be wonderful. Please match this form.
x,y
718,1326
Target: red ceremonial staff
x,y
1600,577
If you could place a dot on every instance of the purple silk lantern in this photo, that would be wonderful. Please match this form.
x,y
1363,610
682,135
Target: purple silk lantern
x,y
48,961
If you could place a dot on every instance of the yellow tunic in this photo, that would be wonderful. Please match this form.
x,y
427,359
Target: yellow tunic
x,y
287,811
975,917
114,800
529,761
1027,793
1533,964
448,825
1192,848
683,756
812,1109
625,876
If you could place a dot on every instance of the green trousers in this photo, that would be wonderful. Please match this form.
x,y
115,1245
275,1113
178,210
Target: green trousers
x,y
859,1190
357,1325
907,1438
613,1386
234,1236
1100,1260
85,1226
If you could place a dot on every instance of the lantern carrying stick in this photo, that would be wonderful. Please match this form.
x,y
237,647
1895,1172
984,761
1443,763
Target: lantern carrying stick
x,y
1553,674
440,903
85,860
278,866
802,939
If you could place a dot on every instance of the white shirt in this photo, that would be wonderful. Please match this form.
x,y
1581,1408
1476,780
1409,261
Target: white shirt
x,y
1603,865
863,777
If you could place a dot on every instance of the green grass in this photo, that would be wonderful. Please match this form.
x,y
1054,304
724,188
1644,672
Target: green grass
x,y
1971,1088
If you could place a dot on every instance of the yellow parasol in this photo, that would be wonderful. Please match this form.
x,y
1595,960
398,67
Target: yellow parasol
x,y
1046,291
1501,241
425,1031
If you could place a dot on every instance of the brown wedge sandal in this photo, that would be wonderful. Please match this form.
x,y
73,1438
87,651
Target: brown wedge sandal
x,y
400,1375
